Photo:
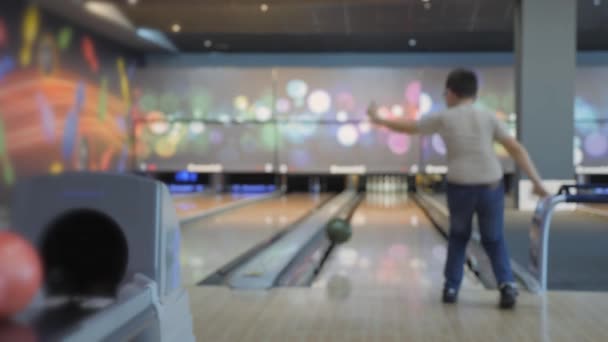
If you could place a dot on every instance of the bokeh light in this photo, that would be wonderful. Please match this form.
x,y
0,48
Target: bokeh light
x,y
414,220
398,143
216,137
200,103
347,257
342,116
297,89
365,127
397,111
241,103
197,127
348,135
283,105
157,123
585,116
345,101
223,118
426,103
359,219
176,134
56,168
412,93
438,144
418,264
297,132
596,144
319,102
164,148
263,113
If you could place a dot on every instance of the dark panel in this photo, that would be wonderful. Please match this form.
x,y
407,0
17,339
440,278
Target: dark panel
x,y
464,41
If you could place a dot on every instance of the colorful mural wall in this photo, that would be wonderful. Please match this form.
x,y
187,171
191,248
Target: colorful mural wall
x,y
65,97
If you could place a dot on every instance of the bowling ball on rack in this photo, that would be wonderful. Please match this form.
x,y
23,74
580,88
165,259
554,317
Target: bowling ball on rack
x,y
20,274
338,230
12,331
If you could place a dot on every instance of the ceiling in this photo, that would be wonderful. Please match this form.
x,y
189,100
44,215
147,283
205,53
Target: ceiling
x,y
347,25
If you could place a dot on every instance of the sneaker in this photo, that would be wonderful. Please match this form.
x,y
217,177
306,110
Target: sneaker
x,y
508,296
450,295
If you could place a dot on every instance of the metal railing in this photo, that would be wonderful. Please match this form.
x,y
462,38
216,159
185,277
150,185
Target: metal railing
x,y
541,224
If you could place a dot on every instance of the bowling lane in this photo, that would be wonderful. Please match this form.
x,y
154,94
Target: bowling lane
x,y
189,206
577,245
209,244
577,248
393,245
596,209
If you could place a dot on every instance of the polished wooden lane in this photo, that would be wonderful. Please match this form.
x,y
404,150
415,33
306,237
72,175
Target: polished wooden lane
x,y
211,243
393,244
600,210
388,314
385,285
189,206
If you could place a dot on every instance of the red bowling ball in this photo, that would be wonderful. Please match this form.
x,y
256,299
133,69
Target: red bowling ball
x,y
20,273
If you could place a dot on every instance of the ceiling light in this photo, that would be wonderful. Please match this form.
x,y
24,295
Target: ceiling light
x,y
176,28
208,43
108,12
132,2
597,2
412,42
264,7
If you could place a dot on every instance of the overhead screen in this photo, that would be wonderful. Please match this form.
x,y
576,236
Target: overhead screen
x,y
296,120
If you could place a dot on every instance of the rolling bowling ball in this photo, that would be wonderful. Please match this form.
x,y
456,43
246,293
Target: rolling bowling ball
x,y
338,230
20,274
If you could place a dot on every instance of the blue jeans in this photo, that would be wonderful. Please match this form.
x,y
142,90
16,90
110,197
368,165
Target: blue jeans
x,y
487,201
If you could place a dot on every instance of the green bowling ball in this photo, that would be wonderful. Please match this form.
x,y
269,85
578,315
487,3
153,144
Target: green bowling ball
x,y
338,230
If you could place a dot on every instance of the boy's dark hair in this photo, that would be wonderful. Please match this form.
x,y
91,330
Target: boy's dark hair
x,y
462,82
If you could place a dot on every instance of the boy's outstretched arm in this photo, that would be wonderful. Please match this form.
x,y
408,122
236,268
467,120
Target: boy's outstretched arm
x,y
403,126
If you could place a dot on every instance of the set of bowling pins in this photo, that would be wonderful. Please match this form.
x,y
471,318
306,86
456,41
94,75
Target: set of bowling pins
x,y
386,184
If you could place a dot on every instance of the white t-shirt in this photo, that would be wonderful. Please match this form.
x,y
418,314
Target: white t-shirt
x,y
469,134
